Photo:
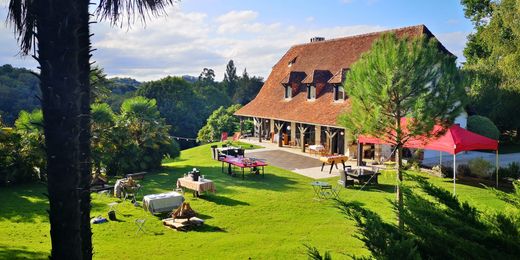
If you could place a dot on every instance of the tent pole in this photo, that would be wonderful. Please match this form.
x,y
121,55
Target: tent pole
x,y
454,171
496,166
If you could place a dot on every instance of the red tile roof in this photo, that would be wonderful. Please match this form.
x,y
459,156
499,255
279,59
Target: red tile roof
x,y
332,56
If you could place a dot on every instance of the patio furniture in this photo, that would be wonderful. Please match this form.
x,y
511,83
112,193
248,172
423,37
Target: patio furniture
x,y
122,184
343,180
329,192
163,202
319,187
316,148
333,160
363,176
252,163
140,225
198,187
131,191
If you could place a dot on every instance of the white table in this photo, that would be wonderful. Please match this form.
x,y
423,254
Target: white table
x,y
162,202
317,148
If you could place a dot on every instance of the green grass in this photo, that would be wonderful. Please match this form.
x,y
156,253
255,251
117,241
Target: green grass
x,y
260,218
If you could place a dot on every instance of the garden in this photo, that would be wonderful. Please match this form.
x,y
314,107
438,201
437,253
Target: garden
x,y
255,217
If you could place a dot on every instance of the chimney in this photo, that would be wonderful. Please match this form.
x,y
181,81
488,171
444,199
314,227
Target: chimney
x,y
317,39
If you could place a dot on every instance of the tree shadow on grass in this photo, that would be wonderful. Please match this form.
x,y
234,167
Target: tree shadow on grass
x,y
387,188
9,252
221,200
23,203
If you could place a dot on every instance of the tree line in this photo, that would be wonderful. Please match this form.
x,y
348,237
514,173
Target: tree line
x,y
185,105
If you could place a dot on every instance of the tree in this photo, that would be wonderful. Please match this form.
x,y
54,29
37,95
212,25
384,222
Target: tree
x,y
177,103
493,60
60,30
483,126
439,226
19,91
247,88
139,140
221,120
207,76
401,88
102,146
230,81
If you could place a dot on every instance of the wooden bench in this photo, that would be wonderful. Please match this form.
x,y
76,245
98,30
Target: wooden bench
x,y
137,175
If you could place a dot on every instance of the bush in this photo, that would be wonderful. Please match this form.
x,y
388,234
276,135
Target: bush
x,y
443,171
464,170
480,167
483,126
512,171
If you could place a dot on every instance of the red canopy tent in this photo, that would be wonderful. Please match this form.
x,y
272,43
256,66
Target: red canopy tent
x,y
455,140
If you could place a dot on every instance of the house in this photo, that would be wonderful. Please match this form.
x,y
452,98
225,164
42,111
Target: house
x,y
304,93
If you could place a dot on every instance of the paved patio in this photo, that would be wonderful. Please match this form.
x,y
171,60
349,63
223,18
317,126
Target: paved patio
x,y
291,159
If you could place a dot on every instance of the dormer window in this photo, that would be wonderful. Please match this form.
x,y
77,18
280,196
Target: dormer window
x,y
288,92
311,92
339,93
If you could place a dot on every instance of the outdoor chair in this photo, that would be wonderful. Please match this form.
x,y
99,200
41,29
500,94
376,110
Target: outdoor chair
x,y
140,225
131,191
329,192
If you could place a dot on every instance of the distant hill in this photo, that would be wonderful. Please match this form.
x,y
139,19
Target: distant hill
x,y
190,79
19,90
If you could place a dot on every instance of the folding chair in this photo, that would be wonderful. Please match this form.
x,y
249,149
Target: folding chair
x,y
329,192
131,192
140,225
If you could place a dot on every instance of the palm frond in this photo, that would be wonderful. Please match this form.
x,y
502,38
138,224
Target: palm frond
x,y
114,10
22,15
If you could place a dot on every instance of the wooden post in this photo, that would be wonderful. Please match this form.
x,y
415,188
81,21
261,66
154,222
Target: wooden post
x,y
330,135
293,132
359,154
241,126
302,137
280,137
258,126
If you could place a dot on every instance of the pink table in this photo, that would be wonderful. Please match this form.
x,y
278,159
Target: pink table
x,y
243,162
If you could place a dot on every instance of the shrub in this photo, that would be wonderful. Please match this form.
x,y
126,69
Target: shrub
x,y
443,171
512,171
480,167
483,126
464,170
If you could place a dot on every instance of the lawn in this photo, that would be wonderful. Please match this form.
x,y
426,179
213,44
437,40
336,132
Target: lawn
x,y
258,218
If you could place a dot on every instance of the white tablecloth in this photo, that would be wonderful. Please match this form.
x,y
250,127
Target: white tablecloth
x,y
163,202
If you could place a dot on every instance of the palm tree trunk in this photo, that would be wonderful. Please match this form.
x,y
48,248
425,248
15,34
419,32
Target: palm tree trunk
x,y
84,136
57,30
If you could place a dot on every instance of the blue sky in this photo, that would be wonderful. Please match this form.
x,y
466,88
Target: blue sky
x,y
255,34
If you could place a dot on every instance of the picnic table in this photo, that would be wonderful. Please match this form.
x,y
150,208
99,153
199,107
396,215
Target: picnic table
x,y
229,150
242,163
163,202
333,160
197,187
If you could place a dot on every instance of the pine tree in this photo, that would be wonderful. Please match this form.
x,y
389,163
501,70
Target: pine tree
x,y
402,81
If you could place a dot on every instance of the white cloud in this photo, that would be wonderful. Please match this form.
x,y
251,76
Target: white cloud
x,y
310,19
186,42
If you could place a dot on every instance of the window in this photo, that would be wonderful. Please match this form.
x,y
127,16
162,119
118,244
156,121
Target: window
x,y
288,92
311,92
339,93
